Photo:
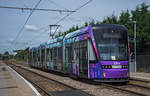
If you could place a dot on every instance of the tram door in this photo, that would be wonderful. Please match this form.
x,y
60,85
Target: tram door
x,y
75,61
67,60
43,58
83,58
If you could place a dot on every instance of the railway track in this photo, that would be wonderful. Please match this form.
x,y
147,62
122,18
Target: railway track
x,y
47,86
141,82
131,88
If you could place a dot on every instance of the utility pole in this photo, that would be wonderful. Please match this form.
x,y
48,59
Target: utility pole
x,y
52,34
134,44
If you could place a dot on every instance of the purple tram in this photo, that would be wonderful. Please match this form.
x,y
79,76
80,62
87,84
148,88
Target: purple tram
x,y
99,52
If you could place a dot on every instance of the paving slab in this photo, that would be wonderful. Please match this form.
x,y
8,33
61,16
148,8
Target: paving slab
x,y
12,84
140,75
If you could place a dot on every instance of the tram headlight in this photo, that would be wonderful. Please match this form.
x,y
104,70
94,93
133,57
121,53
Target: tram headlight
x,y
124,66
104,74
110,66
106,66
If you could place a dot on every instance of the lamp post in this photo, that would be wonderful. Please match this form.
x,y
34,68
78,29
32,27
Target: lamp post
x,y
134,44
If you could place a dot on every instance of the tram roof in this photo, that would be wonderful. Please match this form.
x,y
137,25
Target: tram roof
x,y
75,33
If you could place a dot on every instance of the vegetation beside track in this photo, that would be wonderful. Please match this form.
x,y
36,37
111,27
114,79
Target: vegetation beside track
x,y
141,14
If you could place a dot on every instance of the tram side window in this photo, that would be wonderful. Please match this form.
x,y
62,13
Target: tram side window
x,y
66,54
83,57
38,55
70,52
60,55
83,51
50,52
30,55
92,56
54,57
55,52
34,56
47,55
76,55
43,55
69,55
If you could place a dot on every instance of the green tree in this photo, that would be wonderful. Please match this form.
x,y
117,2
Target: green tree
x,y
6,53
22,55
98,22
77,27
92,22
110,20
142,16
125,19
86,24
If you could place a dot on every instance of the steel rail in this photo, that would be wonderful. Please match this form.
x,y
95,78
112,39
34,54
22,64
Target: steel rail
x,y
125,90
47,92
103,84
41,88
46,77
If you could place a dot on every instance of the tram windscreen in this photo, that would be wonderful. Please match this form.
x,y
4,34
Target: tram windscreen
x,y
111,44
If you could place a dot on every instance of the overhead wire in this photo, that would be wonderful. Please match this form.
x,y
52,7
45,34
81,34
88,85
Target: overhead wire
x,y
26,22
73,12
70,14
31,9
63,18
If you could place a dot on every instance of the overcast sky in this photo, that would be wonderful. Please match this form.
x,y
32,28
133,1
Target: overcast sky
x,y
36,30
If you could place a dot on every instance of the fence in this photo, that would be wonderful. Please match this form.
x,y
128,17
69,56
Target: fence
x,y
143,63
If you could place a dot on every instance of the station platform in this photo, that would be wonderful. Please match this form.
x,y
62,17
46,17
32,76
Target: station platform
x,y
140,75
140,78
12,84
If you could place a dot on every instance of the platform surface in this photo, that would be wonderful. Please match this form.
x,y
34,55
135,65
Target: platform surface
x,y
140,75
11,84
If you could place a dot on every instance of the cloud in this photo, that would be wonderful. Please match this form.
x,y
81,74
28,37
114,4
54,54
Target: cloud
x,y
30,27
10,40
